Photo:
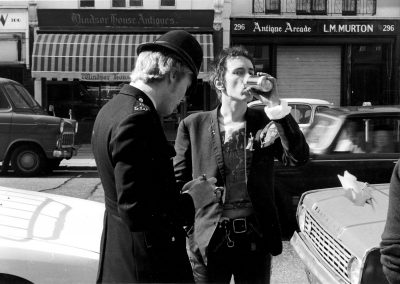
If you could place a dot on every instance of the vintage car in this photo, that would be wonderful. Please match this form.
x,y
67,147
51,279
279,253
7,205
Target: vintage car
x,y
362,140
46,238
31,139
303,109
338,240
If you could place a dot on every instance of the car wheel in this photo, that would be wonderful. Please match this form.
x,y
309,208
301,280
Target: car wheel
x,y
28,160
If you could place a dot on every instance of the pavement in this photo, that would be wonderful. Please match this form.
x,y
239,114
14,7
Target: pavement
x,y
84,159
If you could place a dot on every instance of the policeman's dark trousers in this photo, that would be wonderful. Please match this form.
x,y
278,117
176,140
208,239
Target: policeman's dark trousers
x,y
246,260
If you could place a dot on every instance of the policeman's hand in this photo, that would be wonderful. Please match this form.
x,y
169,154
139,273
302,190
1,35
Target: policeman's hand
x,y
273,96
203,191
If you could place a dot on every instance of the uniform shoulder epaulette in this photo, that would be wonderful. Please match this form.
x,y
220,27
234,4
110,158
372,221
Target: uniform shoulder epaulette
x,y
139,105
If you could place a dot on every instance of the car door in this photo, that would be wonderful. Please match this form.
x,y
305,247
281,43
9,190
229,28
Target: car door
x,y
5,123
355,150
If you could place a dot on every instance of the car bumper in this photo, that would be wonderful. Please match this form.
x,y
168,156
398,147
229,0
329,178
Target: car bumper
x,y
65,153
318,273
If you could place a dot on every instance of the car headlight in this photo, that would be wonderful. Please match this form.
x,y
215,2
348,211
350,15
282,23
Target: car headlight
x,y
301,217
354,270
76,127
62,122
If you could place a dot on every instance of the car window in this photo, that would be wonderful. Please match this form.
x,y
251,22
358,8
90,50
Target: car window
x,y
4,104
27,97
320,108
18,97
322,132
18,101
351,137
384,135
301,113
369,135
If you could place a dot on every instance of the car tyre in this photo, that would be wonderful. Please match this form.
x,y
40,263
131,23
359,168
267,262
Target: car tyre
x,y
28,160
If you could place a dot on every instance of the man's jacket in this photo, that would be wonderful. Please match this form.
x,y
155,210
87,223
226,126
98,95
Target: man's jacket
x,y
143,238
199,151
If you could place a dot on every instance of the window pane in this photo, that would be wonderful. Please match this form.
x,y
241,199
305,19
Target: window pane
x,y
273,5
118,3
349,6
303,5
319,5
167,2
258,6
135,2
17,100
301,113
261,57
87,3
3,101
384,135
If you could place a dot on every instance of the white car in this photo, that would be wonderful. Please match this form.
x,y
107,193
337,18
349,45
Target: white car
x,y
46,238
339,237
303,109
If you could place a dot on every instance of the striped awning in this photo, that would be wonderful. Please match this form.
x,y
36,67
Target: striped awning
x,y
97,57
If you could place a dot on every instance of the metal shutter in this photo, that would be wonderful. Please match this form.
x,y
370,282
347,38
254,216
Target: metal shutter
x,y
309,72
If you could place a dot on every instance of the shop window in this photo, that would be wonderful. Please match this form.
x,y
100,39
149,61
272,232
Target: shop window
x,y
267,6
167,3
86,3
136,3
118,3
349,7
311,7
262,57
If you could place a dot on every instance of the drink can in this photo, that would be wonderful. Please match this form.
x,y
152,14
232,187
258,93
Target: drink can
x,y
260,83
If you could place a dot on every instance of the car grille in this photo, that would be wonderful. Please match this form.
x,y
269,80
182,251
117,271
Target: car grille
x,y
335,255
68,139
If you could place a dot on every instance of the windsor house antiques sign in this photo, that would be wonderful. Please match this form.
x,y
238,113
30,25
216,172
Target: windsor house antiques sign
x,y
99,20
314,27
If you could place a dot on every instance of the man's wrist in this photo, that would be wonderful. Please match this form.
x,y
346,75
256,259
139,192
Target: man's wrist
x,y
278,111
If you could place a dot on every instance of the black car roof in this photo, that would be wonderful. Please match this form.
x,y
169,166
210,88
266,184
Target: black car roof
x,y
362,110
6,80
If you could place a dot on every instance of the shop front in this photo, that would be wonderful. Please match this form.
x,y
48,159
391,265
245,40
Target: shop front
x,y
81,58
344,61
14,43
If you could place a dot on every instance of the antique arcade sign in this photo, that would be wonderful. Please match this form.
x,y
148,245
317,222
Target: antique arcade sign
x,y
314,27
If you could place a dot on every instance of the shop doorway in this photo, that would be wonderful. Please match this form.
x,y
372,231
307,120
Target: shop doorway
x,y
370,74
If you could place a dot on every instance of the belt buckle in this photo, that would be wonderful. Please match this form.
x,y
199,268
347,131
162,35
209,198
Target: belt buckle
x,y
239,225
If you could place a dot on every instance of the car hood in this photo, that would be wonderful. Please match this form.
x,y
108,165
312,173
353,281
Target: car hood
x,y
47,220
358,228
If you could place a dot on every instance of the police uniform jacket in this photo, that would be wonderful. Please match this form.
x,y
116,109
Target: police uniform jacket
x,y
143,239
199,151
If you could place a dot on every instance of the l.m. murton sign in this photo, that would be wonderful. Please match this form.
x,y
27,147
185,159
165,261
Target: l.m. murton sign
x,y
314,27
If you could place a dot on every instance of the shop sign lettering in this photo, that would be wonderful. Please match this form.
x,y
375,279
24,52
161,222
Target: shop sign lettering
x,y
113,77
287,28
348,28
313,26
13,21
118,20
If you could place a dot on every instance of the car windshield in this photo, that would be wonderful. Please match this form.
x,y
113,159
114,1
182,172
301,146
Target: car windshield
x,y
322,132
24,100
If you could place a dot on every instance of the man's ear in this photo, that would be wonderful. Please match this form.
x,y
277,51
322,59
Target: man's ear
x,y
172,76
219,85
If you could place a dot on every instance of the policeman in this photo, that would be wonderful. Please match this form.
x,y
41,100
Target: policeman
x,y
143,238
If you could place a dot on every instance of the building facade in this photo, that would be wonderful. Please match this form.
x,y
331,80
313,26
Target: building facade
x,y
344,51
14,43
83,51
